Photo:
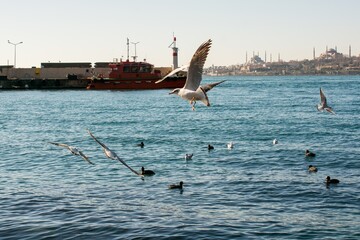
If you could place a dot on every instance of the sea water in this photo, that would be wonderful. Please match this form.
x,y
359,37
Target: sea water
x,y
256,190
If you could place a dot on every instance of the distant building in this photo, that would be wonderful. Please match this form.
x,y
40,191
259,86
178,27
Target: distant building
x,y
256,60
330,54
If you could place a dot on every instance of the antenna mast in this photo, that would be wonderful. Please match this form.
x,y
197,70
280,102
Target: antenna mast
x,y
127,43
135,56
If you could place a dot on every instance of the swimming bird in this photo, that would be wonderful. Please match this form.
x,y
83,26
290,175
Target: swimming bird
x,y
275,141
329,180
323,104
230,145
111,154
175,186
141,144
192,91
312,168
147,172
73,150
210,147
188,156
309,154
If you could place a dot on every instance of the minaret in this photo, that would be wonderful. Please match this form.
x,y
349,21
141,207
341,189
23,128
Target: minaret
x,y
271,57
349,51
246,57
265,56
314,53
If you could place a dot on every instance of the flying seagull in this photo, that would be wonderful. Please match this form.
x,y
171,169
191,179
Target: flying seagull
x,y
111,154
323,104
73,150
192,91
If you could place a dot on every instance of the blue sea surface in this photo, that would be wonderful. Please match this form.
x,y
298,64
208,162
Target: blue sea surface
x,y
256,190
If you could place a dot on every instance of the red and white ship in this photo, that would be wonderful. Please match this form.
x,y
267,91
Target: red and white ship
x,y
133,75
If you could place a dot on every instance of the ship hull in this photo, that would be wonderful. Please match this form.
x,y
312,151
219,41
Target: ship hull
x,y
140,84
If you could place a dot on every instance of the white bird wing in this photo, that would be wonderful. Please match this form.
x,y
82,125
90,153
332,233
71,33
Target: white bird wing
x,y
123,162
112,154
61,145
329,109
209,86
85,157
73,150
195,71
322,98
182,68
101,144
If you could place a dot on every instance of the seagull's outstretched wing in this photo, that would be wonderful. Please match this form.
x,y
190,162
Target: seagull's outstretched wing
x,y
209,86
101,144
85,157
195,71
111,154
73,150
329,109
182,68
322,98
108,152
123,162
60,144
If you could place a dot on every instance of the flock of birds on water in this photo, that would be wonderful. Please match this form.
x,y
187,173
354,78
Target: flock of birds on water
x,y
192,92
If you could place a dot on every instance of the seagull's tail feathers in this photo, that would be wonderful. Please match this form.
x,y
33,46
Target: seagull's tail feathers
x,y
205,89
206,99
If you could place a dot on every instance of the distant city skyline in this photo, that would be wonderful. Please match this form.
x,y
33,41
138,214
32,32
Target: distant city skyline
x,y
93,31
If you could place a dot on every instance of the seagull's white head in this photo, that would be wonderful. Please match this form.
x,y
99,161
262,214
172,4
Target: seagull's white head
x,y
175,91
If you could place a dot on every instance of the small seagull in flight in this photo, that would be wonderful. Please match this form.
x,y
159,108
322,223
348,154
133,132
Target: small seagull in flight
x,y
73,150
111,154
323,104
192,91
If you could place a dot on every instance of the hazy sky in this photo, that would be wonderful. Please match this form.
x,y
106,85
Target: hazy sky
x,y
95,31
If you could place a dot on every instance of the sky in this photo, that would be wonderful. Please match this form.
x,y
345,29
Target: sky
x,y
96,31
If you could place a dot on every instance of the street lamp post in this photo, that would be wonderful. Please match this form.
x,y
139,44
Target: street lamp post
x,y
15,44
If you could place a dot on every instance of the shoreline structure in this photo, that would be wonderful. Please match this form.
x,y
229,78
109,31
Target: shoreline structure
x,y
77,75
331,62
